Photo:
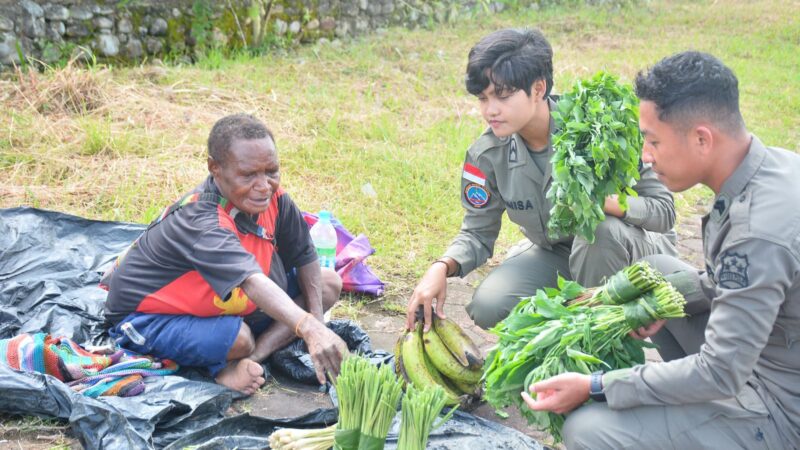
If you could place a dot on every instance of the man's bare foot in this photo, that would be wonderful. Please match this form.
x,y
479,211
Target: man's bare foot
x,y
245,376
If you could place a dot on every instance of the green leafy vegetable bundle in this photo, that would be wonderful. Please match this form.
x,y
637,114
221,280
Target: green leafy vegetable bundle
x,y
596,154
546,335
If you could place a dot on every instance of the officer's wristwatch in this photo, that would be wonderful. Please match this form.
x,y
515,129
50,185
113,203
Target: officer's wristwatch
x,y
596,387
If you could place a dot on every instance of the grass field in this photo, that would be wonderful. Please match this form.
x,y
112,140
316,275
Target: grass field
x,y
373,129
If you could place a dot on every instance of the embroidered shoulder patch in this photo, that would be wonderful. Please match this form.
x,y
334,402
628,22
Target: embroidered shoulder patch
x,y
734,271
476,195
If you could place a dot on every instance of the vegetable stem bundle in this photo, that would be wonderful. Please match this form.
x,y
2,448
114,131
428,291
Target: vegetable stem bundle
x,y
300,439
421,407
381,391
349,385
628,284
368,400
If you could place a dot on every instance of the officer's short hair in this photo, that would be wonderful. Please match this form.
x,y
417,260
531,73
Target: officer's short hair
x,y
230,128
510,59
692,85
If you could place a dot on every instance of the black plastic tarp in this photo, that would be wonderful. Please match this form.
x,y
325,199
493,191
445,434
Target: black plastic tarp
x,y
50,265
462,432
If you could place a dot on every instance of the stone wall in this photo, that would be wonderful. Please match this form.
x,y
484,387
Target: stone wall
x,y
132,30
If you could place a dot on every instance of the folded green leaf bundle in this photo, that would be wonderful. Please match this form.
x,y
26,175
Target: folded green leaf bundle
x,y
628,284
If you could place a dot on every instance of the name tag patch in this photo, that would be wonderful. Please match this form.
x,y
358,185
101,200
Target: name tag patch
x,y
519,204
476,195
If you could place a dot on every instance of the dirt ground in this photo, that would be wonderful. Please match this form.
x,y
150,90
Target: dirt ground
x,y
284,398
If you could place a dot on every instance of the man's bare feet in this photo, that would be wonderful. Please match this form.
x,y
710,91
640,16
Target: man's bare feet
x,y
245,376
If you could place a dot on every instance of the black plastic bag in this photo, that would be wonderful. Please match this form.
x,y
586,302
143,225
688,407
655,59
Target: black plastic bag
x,y
295,362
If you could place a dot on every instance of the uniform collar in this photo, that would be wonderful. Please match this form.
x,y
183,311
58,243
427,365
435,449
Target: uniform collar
x,y
740,177
518,152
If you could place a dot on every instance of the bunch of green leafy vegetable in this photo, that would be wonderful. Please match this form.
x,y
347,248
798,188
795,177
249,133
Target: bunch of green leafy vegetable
x,y
546,335
596,153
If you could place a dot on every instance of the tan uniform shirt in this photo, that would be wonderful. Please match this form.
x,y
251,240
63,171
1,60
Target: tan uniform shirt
x,y
500,175
751,243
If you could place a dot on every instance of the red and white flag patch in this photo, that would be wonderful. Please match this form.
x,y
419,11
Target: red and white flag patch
x,y
473,174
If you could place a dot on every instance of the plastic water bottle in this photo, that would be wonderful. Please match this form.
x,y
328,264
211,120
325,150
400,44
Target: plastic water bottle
x,y
324,236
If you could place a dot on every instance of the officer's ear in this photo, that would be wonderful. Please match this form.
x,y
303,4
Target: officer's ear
x,y
538,88
703,138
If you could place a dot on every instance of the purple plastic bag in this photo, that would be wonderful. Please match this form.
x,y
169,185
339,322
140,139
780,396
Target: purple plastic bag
x,y
350,255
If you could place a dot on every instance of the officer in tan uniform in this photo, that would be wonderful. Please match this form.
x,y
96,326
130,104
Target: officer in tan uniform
x,y
508,169
731,376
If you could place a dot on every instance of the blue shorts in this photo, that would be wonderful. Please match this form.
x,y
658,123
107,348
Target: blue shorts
x,y
190,340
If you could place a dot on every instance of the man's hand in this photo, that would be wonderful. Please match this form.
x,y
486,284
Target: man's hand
x,y
559,394
432,286
650,330
325,348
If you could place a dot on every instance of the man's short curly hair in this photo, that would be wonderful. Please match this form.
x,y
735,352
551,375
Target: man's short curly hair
x,y
230,128
692,85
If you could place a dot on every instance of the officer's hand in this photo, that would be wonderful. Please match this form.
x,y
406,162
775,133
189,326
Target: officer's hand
x,y
325,347
650,330
433,285
612,207
559,394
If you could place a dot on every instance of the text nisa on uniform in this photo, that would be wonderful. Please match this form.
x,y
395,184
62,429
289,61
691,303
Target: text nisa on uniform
x,y
519,204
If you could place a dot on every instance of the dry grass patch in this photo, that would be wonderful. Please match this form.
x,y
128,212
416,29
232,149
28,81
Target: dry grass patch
x,y
68,90
93,143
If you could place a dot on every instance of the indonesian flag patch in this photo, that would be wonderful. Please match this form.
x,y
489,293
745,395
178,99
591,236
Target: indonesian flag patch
x,y
473,174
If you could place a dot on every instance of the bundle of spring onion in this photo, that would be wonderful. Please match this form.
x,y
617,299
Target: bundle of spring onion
x,y
420,410
545,336
301,439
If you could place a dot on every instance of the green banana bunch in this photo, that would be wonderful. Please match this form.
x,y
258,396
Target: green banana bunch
x,y
461,346
414,367
445,356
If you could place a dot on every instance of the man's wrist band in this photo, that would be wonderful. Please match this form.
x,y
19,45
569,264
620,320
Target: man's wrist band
x,y
300,322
